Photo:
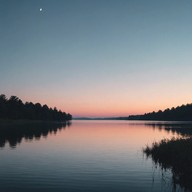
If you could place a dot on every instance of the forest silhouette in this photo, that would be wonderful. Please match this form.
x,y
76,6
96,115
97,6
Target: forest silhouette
x,y
180,113
14,109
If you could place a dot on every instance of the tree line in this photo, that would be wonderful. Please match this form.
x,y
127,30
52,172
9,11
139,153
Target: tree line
x,y
180,113
14,108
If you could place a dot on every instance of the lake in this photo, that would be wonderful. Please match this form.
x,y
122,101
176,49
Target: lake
x,y
87,156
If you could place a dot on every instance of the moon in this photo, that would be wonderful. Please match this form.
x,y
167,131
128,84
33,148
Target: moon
x,y
40,9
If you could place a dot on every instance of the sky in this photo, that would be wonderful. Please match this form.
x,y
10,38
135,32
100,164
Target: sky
x,y
97,58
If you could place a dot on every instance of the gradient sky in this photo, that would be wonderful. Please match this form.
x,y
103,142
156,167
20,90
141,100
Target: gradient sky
x,y
97,57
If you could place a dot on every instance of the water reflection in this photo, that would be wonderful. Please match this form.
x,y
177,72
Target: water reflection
x,y
90,156
14,133
181,128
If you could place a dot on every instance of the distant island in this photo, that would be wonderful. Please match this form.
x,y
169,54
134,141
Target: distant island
x,y
180,113
14,109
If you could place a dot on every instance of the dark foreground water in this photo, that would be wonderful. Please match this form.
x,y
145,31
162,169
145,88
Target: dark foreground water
x,y
85,156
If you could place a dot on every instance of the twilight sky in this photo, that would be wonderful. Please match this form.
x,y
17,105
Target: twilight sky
x,y
97,57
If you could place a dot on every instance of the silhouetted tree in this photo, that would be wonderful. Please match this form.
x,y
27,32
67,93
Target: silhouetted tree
x,y
180,113
14,108
3,106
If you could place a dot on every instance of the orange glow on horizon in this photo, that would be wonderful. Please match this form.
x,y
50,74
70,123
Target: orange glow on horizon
x,y
103,107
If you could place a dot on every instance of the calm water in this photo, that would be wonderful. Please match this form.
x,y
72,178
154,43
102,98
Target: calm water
x,y
87,156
